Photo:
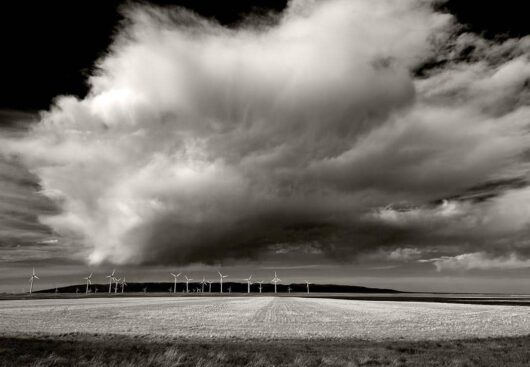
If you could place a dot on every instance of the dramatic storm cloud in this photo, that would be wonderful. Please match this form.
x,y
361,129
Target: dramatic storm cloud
x,y
340,128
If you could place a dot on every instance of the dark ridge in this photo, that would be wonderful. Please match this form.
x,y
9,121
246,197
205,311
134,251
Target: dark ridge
x,y
235,288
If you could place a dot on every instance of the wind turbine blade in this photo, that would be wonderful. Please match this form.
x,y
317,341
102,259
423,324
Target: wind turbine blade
x,y
173,275
178,274
36,277
220,274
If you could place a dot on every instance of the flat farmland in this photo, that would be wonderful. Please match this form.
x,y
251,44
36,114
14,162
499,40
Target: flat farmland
x,y
261,318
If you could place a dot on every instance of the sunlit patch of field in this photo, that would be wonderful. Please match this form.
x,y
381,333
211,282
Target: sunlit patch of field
x,y
262,318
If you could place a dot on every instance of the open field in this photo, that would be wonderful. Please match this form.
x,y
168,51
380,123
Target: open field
x,y
462,298
262,318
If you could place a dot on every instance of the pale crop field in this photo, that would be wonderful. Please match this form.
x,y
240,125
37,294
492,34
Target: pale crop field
x,y
262,318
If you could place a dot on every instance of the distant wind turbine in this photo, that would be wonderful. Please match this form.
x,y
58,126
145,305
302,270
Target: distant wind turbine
x,y
175,276
260,284
289,289
187,282
307,285
221,276
202,284
209,286
123,284
111,278
249,283
275,280
88,282
33,276
117,280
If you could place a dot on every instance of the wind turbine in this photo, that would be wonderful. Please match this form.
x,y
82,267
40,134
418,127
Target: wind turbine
x,y
33,276
117,280
289,289
175,276
260,284
221,276
202,284
123,284
209,286
307,285
111,278
187,282
88,282
275,280
249,283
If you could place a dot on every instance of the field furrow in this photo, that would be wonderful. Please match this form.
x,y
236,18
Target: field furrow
x,y
262,318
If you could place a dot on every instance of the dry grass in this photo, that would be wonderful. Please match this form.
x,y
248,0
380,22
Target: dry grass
x,y
125,351
262,318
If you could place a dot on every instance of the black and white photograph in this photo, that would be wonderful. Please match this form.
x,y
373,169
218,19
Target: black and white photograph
x,y
264,183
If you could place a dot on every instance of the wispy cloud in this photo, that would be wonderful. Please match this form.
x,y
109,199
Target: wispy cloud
x,y
478,260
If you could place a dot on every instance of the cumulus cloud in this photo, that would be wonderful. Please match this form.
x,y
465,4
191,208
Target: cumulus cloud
x,y
197,143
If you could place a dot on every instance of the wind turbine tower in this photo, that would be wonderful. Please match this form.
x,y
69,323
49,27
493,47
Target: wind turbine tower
x,y
307,285
33,276
187,283
249,283
275,280
175,276
123,284
221,276
260,284
88,282
111,278
117,280
203,283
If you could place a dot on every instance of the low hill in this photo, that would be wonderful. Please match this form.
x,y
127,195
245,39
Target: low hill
x,y
232,286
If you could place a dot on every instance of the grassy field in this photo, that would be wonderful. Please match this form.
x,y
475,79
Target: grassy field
x,y
261,318
121,351
259,331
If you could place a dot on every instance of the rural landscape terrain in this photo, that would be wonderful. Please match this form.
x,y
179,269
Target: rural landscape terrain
x,y
260,331
287,183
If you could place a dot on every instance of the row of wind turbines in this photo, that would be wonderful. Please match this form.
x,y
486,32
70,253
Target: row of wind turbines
x,y
115,282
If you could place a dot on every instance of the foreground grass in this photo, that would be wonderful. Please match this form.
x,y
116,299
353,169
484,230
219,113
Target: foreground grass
x,y
118,351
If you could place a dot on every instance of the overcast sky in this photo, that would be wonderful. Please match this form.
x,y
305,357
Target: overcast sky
x,y
376,143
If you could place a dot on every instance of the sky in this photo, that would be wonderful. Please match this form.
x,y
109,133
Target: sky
x,y
355,142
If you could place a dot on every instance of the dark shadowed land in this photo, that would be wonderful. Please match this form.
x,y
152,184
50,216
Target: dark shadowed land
x,y
166,287
117,351
318,291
